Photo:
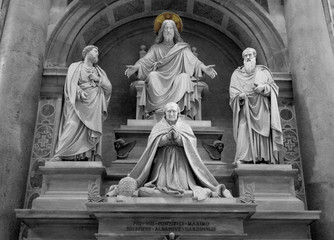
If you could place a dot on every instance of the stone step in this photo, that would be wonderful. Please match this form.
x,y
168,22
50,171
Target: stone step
x,y
120,168
139,122
139,130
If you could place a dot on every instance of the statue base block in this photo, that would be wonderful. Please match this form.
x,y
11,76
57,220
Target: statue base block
x,y
273,186
65,184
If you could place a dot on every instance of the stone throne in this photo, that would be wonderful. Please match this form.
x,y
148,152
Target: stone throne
x,y
136,88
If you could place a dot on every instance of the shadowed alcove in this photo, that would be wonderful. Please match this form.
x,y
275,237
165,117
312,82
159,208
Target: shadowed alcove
x,y
219,31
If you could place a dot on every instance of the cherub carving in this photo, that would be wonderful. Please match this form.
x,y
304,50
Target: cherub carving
x,y
122,148
214,150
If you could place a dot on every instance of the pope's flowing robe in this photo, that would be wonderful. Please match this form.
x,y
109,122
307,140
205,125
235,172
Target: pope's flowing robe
x,y
80,131
173,169
256,120
168,72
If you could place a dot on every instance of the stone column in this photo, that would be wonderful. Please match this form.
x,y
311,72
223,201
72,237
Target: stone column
x,y
312,68
22,49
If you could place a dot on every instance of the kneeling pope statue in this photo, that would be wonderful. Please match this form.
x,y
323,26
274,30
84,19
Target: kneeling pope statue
x,y
170,165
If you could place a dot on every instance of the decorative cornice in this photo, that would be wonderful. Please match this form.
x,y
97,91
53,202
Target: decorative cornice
x,y
53,82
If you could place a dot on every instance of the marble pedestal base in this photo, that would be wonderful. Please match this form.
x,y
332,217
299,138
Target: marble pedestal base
x,y
59,213
62,212
273,185
159,218
65,184
279,213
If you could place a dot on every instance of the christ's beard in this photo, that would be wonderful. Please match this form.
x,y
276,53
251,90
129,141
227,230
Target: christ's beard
x,y
250,65
169,38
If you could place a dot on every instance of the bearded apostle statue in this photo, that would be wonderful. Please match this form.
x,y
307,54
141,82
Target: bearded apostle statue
x,y
87,93
256,121
168,69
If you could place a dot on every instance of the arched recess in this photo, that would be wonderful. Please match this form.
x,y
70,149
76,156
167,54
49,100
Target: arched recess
x,y
85,22
219,30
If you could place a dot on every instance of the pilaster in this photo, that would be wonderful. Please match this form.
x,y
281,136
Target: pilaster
x,y
312,64
21,59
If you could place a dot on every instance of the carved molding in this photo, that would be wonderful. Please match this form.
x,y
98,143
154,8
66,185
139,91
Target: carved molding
x,y
53,82
284,82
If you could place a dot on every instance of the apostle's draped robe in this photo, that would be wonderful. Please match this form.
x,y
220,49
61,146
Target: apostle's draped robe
x,y
81,122
168,72
256,121
175,170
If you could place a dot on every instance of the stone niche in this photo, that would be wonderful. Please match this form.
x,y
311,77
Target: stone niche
x,y
265,204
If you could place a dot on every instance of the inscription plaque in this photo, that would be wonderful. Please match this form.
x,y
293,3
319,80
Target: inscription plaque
x,y
164,218
171,226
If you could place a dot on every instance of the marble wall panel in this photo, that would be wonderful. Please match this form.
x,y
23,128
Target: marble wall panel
x,y
171,5
129,9
208,12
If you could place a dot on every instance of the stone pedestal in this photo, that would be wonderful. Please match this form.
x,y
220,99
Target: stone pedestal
x,y
58,224
274,225
157,218
273,186
279,213
60,211
65,184
63,211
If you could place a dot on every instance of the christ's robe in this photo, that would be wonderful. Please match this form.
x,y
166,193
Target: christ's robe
x,y
169,72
